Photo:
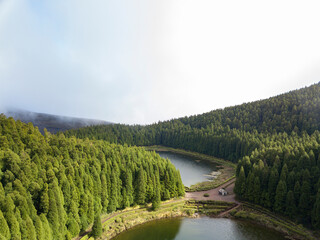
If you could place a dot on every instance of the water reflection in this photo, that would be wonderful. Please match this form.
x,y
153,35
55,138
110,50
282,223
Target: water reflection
x,y
200,228
192,170
165,229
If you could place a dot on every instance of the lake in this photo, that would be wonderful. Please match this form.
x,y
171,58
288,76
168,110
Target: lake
x,y
203,228
193,170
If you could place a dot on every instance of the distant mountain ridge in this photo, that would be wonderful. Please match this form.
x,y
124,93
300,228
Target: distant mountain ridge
x,y
53,123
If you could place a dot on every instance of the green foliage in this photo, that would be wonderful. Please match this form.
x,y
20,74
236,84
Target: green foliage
x,y
231,133
5,231
141,187
156,199
293,191
276,141
97,227
316,212
52,187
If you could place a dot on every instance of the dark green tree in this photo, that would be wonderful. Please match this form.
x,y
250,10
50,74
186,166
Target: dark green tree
x,y
280,198
141,187
97,227
5,231
240,183
316,212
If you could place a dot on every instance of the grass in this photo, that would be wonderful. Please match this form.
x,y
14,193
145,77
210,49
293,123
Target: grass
x,y
268,219
120,221
210,207
226,168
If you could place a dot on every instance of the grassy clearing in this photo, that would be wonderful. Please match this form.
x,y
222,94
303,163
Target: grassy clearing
x,y
268,219
226,168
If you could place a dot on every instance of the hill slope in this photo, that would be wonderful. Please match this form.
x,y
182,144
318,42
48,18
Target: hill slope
x,y
53,123
277,141
230,133
52,187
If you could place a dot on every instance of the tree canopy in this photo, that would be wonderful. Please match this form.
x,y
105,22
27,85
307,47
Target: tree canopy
x,y
275,142
54,187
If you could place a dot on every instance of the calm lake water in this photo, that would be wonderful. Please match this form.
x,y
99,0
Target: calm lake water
x,y
192,170
203,228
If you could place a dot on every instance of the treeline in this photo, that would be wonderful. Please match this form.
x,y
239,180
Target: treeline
x,y
53,187
284,176
296,111
222,142
231,133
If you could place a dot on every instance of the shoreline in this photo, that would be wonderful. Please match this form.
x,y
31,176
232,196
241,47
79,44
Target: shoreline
x,y
127,219
225,168
123,220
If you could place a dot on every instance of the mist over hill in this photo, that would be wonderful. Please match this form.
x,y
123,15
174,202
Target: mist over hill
x,y
53,123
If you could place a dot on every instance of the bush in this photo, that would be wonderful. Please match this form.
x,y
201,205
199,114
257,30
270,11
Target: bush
x,y
206,195
190,212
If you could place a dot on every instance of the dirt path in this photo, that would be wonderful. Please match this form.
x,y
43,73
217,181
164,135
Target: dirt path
x,y
214,194
226,212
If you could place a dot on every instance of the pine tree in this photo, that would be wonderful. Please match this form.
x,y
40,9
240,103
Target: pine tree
x,y
141,187
256,190
166,194
156,196
46,227
280,197
39,229
44,200
97,227
5,231
239,188
2,237
156,199
181,191
30,229
316,212
290,204
53,217
305,197
272,184
12,221
104,193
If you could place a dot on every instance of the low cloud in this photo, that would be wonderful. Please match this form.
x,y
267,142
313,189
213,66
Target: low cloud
x,y
142,61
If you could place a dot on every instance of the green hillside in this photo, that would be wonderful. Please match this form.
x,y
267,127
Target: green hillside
x,y
276,140
53,187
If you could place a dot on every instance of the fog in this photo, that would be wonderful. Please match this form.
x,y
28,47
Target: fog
x,y
140,61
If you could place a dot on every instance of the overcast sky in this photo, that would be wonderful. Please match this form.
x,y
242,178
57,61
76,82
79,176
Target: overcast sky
x,y
140,61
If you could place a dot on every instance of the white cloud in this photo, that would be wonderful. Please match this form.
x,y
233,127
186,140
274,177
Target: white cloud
x,y
143,61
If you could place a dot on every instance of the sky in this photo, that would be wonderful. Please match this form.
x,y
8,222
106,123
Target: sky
x,y
142,61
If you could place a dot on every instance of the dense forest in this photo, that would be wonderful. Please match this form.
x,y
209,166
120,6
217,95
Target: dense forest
x,y
53,187
231,133
276,142
284,176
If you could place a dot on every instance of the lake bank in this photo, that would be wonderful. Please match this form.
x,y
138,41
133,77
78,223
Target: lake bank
x,y
225,169
196,204
198,228
121,221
